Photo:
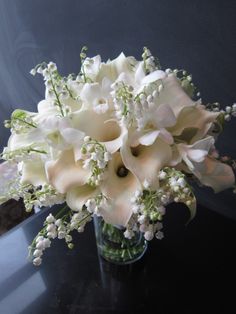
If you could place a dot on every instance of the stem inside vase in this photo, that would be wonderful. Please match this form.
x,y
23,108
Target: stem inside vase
x,y
114,247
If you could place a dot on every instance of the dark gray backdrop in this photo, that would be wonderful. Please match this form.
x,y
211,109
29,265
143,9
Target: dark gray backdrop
x,y
196,35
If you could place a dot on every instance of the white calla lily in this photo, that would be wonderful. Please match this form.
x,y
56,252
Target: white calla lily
x,y
146,161
214,174
194,117
173,94
100,128
118,190
77,196
65,173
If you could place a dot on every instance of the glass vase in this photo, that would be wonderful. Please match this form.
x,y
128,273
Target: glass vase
x,y
114,247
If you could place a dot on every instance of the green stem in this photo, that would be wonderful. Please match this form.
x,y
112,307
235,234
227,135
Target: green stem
x,y
57,97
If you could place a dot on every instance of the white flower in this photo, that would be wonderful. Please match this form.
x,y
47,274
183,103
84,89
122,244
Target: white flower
x,y
148,235
159,235
37,261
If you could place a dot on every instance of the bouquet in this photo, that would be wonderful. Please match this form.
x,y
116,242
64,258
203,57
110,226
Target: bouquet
x,y
120,140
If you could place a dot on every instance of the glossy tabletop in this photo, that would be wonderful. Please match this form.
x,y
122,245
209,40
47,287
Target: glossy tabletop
x,y
192,270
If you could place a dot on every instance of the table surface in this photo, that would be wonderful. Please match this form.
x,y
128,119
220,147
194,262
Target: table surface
x,y
192,270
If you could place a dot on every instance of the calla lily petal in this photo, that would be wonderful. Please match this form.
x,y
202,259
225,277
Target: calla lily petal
x,y
100,128
164,116
174,95
146,161
194,117
65,173
153,76
77,196
119,191
214,174
89,93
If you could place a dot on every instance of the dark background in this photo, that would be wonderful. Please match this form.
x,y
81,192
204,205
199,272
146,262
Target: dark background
x,y
198,36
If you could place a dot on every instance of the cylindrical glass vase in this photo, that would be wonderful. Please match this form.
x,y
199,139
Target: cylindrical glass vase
x,y
114,247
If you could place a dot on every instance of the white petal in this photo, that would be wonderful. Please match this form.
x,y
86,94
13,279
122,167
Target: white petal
x,y
89,93
164,116
154,76
119,191
146,161
214,174
194,117
65,173
72,136
197,155
195,152
33,172
140,73
45,106
77,197
149,138
166,136
100,128
173,95
17,141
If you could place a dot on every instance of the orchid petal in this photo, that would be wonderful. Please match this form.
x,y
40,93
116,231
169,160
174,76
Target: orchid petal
x,y
72,136
149,138
197,155
195,152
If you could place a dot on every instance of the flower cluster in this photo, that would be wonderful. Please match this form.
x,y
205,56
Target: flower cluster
x,y
60,228
95,158
121,139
